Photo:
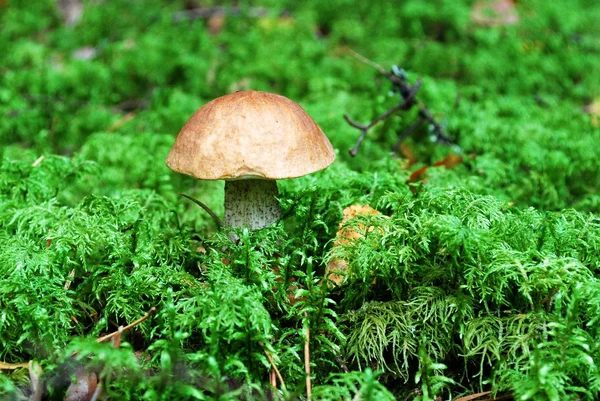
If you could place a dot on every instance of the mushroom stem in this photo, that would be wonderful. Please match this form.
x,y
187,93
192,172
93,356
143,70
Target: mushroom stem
x,y
252,203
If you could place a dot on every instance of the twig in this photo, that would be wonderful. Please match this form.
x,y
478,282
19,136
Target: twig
x,y
365,60
70,280
473,396
122,329
408,102
38,161
342,364
406,133
307,359
407,93
12,366
208,12
206,209
272,362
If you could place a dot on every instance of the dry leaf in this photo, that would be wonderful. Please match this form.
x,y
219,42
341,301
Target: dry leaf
x,y
418,175
449,161
216,23
409,154
337,268
494,13
593,109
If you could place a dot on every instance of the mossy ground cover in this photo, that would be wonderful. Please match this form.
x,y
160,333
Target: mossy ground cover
x,y
481,277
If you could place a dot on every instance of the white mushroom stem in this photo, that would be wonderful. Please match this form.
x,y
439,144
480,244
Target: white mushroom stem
x,y
251,203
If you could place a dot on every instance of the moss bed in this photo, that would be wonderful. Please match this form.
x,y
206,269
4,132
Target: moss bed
x,y
478,276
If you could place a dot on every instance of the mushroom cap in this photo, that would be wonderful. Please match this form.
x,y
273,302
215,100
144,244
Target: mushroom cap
x,y
250,134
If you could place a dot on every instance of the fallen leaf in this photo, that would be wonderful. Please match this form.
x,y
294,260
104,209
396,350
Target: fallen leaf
x,y
216,23
593,109
337,268
449,161
494,13
418,174
409,154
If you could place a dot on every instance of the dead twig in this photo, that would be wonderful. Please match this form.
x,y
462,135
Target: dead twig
x,y
272,362
405,105
38,161
407,133
209,12
129,326
206,209
307,359
407,93
12,366
473,397
70,279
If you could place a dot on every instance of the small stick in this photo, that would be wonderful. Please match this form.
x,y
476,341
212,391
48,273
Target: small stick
x,y
122,329
272,362
307,360
38,161
405,105
208,12
365,60
408,93
68,282
13,366
406,133
206,209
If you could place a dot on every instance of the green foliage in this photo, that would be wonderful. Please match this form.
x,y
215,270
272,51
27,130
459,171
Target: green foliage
x,y
484,277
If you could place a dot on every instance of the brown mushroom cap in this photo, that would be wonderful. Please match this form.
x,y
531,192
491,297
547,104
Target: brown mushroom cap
x,y
250,135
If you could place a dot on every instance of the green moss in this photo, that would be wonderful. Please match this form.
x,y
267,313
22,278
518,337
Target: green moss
x,y
481,277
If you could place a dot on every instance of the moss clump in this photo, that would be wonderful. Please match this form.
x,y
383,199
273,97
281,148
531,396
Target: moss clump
x,y
483,278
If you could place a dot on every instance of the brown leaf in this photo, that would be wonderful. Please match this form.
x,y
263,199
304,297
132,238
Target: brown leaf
x,y
449,161
409,154
593,109
494,13
337,268
418,174
216,23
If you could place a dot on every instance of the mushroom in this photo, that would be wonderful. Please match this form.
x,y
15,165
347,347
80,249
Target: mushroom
x,y
250,139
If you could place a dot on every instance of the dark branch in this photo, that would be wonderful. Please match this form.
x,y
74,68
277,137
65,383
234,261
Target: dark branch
x,y
407,103
407,93
407,132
